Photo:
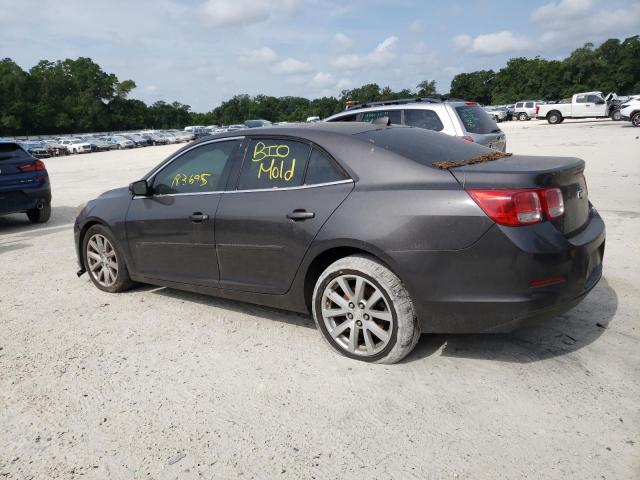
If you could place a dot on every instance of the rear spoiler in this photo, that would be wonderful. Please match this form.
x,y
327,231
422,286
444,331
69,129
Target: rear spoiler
x,y
489,157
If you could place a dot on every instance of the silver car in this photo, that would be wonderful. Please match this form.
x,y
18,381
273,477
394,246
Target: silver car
x,y
466,120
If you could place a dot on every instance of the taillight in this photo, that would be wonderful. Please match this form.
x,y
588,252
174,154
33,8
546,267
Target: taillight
x,y
471,104
468,138
516,208
553,203
537,109
36,166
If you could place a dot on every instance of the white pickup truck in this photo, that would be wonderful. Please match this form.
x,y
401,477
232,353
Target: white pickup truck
x,y
583,105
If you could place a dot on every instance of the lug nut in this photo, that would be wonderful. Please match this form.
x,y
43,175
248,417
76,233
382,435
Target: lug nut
x,y
359,323
361,305
351,305
365,316
349,316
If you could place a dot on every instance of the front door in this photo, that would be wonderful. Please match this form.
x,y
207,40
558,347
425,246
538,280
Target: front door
x,y
171,233
285,192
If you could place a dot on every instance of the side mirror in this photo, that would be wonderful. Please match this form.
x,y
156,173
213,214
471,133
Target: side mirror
x,y
140,188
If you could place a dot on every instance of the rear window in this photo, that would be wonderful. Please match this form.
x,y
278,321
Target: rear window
x,y
394,116
11,151
476,120
422,146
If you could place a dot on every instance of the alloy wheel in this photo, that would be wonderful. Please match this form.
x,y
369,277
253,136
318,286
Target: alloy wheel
x,y
102,260
357,315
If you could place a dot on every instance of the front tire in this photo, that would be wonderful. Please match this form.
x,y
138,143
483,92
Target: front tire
x,y
41,215
104,261
364,311
616,116
635,119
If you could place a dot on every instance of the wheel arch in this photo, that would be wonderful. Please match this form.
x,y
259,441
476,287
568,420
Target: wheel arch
x,y
325,257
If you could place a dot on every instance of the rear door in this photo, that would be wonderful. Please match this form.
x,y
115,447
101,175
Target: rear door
x,y
171,234
285,191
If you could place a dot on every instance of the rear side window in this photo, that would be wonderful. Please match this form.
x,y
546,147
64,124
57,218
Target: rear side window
x,y
476,120
528,105
198,170
12,151
581,99
394,116
321,169
427,119
273,163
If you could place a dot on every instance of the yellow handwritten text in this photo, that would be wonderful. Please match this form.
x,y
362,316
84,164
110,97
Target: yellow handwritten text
x,y
197,179
274,169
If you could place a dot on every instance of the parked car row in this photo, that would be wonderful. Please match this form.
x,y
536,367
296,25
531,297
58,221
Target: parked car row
x,y
45,147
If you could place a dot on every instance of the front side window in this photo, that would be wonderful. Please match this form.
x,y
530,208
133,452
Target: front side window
x,y
427,119
196,171
322,170
595,99
519,105
273,163
393,115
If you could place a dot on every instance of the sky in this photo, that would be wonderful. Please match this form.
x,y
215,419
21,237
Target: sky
x,y
202,52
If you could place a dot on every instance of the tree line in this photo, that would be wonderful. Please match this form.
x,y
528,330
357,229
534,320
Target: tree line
x,y
78,96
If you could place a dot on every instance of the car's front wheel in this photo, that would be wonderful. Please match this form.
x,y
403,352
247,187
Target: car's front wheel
x,y
364,311
104,260
635,120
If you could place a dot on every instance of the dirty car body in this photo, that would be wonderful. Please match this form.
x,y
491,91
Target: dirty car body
x,y
437,229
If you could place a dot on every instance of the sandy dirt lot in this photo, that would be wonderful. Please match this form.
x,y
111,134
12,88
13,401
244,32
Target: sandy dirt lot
x,y
157,383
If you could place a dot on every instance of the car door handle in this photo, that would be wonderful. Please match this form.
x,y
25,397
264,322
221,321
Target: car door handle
x,y
300,214
198,217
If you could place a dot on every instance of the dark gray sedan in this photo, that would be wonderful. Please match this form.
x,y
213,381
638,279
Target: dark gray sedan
x,y
381,232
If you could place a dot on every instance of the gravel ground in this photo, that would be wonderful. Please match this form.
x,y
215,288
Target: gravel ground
x,y
157,383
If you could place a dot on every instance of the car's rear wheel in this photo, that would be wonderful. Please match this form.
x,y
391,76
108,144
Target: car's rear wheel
x,y
635,119
364,311
39,215
554,118
523,116
104,260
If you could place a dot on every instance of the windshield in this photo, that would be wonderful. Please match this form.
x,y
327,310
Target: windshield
x,y
476,120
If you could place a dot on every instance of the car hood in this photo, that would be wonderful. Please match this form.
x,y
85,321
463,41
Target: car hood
x,y
115,193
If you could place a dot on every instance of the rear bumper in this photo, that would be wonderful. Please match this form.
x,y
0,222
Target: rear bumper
x,y
21,200
486,287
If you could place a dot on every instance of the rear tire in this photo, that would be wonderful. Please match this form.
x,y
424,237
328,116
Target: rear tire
x,y
554,118
523,116
635,119
104,261
364,311
41,215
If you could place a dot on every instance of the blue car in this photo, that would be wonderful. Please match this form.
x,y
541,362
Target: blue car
x,y
24,184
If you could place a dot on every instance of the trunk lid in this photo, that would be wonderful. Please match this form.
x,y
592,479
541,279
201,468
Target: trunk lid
x,y
519,171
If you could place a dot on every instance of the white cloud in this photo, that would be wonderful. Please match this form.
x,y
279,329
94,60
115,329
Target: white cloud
x,y
258,56
494,43
223,13
323,80
382,55
572,22
150,89
343,41
291,66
